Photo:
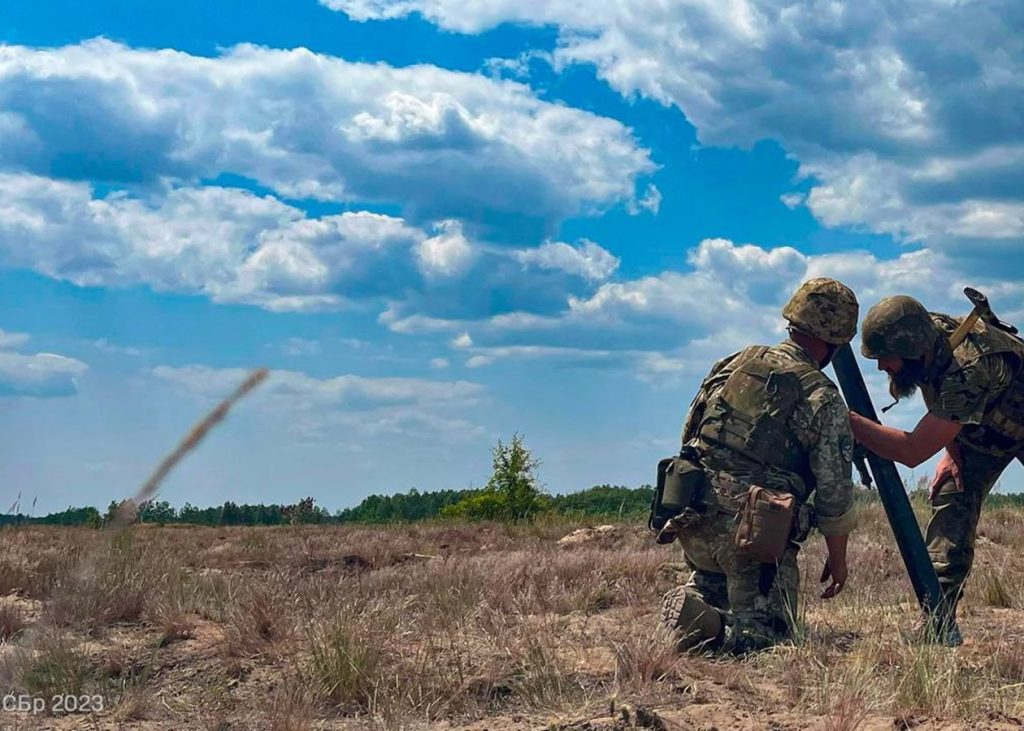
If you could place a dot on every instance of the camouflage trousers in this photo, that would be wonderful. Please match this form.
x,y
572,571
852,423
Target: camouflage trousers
x,y
758,602
952,529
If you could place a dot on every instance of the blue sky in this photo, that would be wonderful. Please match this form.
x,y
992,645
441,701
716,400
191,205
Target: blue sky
x,y
440,224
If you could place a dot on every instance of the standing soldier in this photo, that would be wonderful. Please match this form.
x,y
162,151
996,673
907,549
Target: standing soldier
x,y
975,398
765,417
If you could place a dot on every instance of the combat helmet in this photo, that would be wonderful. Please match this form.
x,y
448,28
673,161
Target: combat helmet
x,y
897,327
825,309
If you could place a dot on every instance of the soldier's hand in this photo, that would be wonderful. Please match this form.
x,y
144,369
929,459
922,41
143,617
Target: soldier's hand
x,y
947,469
837,574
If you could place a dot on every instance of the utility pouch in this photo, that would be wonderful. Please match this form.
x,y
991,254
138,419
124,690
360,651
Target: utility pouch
x,y
765,524
680,488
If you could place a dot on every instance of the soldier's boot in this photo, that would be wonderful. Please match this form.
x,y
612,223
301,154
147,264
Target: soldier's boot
x,y
688,622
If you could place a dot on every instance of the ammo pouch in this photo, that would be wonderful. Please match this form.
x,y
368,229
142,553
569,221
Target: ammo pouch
x,y
680,488
765,524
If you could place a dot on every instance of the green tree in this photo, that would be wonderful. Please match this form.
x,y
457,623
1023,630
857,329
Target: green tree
x,y
512,493
156,511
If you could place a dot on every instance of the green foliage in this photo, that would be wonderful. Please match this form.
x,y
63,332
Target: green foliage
x,y
305,511
402,507
153,511
599,501
606,501
512,493
161,512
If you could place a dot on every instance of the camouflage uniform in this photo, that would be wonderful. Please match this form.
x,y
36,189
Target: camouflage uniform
x,y
979,385
809,450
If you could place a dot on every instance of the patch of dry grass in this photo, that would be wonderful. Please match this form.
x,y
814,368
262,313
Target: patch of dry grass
x,y
444,623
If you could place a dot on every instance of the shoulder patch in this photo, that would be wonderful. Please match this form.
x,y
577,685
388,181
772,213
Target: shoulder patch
x,y
814,379
846,447
953,402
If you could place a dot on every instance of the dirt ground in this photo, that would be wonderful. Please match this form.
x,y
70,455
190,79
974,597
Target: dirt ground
x,y
462,626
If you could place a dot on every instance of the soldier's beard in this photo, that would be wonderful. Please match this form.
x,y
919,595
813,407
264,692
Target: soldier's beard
x,y
904,383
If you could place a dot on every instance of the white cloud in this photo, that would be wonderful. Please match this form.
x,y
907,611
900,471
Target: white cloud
x,y
43,375
414,324
446,254
727,283
104,345
348,391
234,246
488,355
675,324
745,286
899,138
650,202
439,363
588,260
318,408
12,340
518,67
227,244
440,143
301,347
792,200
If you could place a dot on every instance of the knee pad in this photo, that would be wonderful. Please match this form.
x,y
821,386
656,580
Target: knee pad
x,y
689,620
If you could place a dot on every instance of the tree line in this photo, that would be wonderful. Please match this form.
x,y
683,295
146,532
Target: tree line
x,y
512,493
600,501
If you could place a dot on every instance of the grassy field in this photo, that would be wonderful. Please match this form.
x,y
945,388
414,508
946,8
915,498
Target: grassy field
x,y
472,626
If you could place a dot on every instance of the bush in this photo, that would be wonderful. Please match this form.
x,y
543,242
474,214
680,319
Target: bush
x,y
512,493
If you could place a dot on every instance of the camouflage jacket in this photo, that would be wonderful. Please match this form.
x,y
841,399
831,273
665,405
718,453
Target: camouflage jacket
x,y
820,422
979,385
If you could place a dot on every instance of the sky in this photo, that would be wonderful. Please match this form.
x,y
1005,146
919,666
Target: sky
x,y
442,223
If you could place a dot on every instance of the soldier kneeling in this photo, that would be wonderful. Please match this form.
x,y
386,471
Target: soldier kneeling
x,y
767,430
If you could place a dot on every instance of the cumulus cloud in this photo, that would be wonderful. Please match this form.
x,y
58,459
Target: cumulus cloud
x,y
42,375
228,244
348,391
440,143
234,246
897,137
727,283
12,340
745,286
446,254
675,324
587,260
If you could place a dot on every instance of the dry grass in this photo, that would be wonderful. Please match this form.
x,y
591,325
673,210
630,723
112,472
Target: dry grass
x,y
451,624
12,621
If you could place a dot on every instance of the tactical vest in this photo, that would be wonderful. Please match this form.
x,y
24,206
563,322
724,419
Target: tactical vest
x,y
1002,426
752,414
